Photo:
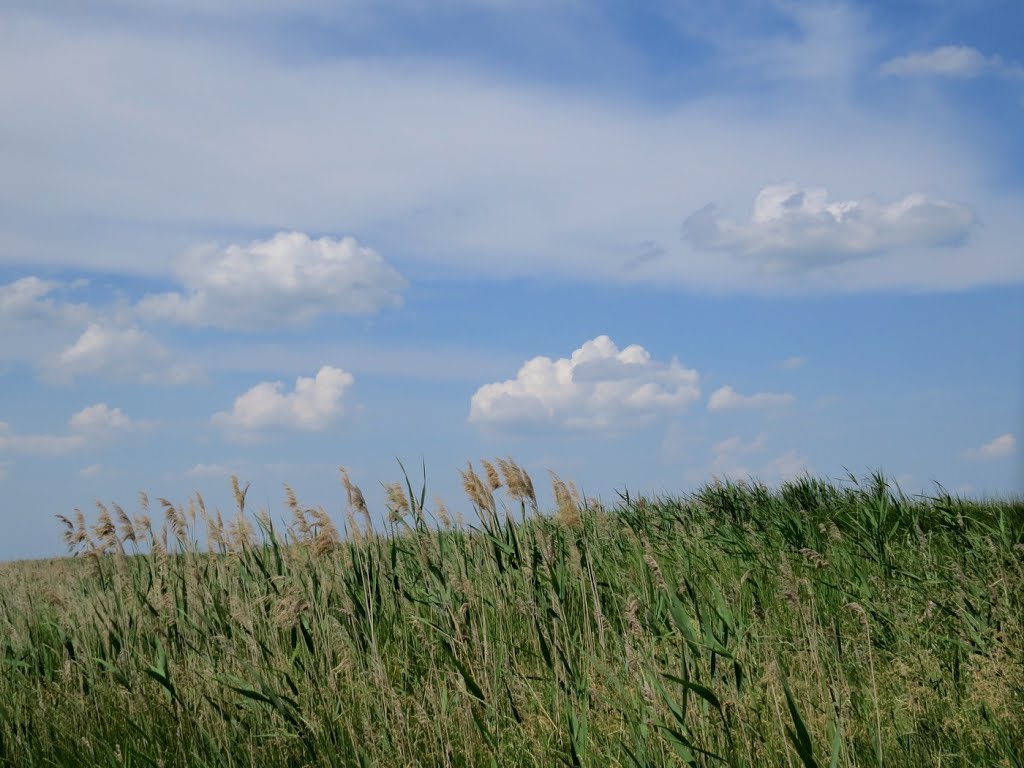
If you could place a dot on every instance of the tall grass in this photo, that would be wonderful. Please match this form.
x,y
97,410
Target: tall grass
x,y
811,625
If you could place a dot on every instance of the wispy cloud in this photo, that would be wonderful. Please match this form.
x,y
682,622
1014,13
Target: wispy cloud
x,y
37,444
732,458
208,470
30,300
598,386
957,61
497,179
91,424
792,363
731,446
726,398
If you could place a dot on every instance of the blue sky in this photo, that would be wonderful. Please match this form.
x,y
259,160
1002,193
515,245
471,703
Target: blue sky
x,y
639,244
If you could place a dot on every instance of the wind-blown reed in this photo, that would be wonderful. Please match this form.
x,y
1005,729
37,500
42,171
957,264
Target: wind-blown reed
x,y
814,624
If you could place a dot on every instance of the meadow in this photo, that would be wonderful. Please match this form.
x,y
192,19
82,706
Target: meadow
x,y
818,623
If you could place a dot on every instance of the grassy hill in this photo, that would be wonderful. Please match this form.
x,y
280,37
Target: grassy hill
x,y
811,624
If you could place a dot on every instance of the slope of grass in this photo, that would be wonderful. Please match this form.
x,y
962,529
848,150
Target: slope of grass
x,y
808,625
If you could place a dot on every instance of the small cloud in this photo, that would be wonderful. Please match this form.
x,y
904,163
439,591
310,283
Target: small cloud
x,y
997,448
735,445
4,465
792,363
100,418
290,279
598,386
208,470
955,61
726,398
122,352
797,228
314,404
92,470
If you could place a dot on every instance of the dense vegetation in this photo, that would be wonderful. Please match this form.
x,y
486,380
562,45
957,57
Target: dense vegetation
x,y
813,624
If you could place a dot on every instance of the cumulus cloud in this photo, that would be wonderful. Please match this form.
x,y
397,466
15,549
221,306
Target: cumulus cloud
x,y
122,352
797,228
100,418
312,406
596,387
290,279
726,398
29,300
959,61
997,448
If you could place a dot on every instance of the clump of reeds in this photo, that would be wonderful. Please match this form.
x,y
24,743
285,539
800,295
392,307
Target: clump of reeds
x,y
807,625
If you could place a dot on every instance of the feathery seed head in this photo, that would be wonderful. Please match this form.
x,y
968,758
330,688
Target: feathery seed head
x,y
475,489
398,504
239,493
442,512
493,481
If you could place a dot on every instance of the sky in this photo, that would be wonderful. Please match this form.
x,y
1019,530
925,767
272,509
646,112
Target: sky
x,y
640,244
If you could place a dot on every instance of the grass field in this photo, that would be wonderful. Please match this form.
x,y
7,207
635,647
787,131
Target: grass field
x,y
813,624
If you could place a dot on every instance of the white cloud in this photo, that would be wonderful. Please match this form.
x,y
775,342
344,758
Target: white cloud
x,y
794,227
120,352
494,177
100,418
208,470
92,423
731,446
960,61
93,470
289,279
727,459
598,386
792,363
38,445
313,406
727,398
997,448
28,300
